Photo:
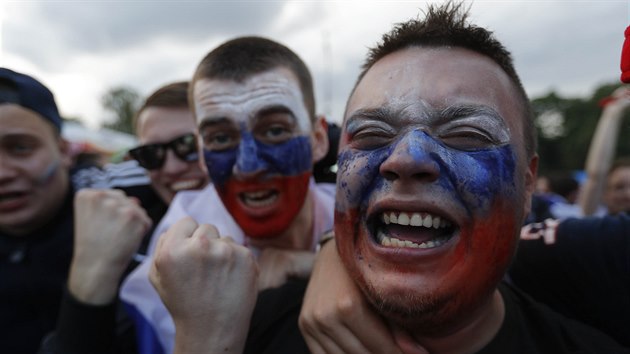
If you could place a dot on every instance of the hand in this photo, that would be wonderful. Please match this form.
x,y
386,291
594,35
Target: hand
x,y
208,284
546,229
108,229
276,265
335,317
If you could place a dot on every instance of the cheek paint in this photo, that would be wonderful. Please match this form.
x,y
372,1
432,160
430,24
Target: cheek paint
x,y
48,174
220,165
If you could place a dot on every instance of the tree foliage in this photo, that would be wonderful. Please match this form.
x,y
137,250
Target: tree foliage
x,y
566,126
123,102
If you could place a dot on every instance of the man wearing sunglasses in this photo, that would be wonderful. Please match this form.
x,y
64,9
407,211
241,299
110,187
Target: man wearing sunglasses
x,y
254,105
166,130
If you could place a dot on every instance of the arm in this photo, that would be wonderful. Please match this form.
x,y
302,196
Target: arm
x,y
335,317
602,150
108,229
208,284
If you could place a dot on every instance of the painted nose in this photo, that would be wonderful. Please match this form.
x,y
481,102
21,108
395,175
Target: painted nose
x,y
415,157
248,159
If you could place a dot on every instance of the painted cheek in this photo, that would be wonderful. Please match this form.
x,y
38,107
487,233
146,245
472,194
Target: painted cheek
x,y
482,176
358,176
220,165
291,158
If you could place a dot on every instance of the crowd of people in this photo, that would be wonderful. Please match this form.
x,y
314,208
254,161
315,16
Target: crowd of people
x,y
244,222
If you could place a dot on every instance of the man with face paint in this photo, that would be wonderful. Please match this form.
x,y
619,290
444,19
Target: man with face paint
x,y
35,210
437,165
254,105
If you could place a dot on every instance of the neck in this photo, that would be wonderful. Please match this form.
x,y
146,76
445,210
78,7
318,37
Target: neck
x,y
468,339
299,234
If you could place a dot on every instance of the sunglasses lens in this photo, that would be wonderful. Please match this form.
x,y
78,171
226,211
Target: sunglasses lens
x,y
149,156
185,147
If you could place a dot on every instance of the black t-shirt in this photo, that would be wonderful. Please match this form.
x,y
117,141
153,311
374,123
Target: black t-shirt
x,y
274,324
532,328
33,269
585,275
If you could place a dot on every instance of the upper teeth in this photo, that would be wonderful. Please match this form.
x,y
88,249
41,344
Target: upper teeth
x,y
183,185
415,219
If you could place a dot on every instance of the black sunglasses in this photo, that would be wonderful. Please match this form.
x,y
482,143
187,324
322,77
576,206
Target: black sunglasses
x,y
152,156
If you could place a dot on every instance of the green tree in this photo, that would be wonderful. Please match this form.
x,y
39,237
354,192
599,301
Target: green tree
x,y
123,102
566,126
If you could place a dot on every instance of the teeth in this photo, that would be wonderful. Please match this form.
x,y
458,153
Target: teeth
x,y
416,219
396,243
183,185
259,199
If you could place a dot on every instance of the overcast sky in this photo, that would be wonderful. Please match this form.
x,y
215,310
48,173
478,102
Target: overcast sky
x,y
80,49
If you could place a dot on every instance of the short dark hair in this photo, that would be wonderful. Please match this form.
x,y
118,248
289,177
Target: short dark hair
x,y
242,57
447,26
174,95
621,162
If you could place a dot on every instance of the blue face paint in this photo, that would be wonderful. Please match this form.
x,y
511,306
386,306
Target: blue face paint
x,y
290,158
474,178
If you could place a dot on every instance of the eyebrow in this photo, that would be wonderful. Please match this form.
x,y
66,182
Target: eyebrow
x,y
388,114
463,111
274,109
385,114
213,121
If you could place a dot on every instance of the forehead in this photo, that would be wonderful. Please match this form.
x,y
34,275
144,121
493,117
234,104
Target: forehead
x,y
161,124
216,99
15,119
416,78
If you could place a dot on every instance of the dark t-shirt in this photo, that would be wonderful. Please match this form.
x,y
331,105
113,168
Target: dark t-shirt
x,y
33,269
531,328
585,275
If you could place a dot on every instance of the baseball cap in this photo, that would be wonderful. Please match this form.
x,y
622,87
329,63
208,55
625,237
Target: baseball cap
x,y
29,93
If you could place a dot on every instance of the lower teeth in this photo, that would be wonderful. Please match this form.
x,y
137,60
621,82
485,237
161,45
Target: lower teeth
x,y
394,242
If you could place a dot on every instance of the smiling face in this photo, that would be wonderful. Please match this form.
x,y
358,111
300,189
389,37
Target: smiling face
x,y
161,125
432,184
34,164
259,147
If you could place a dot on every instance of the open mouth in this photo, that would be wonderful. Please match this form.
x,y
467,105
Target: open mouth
x,y
186,185
5,197
259,199
422,230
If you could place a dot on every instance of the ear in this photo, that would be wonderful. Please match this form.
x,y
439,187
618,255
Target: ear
x,y
530,183
319,139
64,151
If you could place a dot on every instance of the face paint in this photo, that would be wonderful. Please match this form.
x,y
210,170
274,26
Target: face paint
x,y
471,191
266,204
48,174
256,135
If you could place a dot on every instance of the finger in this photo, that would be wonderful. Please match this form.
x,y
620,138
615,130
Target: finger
x,y
322,343
184,228
208,231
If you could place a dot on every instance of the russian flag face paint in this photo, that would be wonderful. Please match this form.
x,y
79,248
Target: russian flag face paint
x,y
257,148
265,204
430,189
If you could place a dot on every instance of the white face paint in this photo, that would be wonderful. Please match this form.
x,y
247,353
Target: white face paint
x,y
243,102
257,137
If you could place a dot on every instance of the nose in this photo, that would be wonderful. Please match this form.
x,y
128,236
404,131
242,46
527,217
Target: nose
x,y
248,159
173,165
7,169
414,157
